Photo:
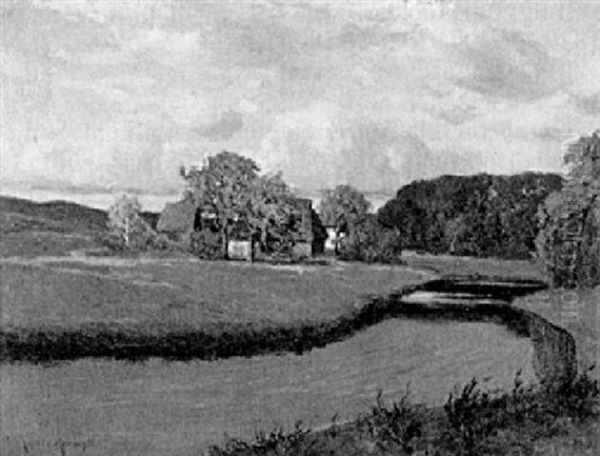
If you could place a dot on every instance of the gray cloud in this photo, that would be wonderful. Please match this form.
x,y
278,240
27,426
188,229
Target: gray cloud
x,y
510,66
458,115
365,162
588,104
381,158
551,134
230,123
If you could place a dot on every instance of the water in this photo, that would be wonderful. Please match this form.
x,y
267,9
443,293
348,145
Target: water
x,y
94,406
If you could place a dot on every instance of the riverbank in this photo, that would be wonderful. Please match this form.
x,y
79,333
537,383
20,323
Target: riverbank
x,y
221,339
65,307
541,418
68,307
526,420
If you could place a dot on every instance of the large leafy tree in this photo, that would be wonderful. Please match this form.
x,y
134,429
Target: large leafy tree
x,y
223,187
271,211
342,208
568,243
229,188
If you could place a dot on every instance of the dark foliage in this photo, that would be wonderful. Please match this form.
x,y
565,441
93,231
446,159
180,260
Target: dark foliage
x,y
568,242
370,242
396,428
473,422
276,442
206,244
471,418
481,215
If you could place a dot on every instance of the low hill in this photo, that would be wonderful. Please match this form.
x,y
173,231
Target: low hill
x,y
54,227
20,215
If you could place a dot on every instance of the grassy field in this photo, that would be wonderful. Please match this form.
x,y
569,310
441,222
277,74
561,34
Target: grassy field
x,y
59,288
59,294
66,293
136,408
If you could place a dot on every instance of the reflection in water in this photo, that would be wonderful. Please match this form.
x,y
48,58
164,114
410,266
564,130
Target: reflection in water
x,y
163,407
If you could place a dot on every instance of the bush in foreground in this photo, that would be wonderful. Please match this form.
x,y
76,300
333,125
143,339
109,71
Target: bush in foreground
x,y
472,422
396,428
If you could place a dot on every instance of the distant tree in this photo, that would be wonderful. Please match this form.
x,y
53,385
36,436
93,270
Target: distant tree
x,y
343,208
568,243
370,242
223,187
126,225
480,215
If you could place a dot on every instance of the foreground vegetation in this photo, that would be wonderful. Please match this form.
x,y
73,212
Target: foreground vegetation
x,y
528,420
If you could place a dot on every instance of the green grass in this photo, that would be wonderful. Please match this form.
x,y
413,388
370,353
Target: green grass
x,y
448,264
160,292
45,289
58,308
527,420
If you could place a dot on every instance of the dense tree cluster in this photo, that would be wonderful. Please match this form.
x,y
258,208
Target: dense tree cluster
x,y
370,242
358,234
229,191
569,239
479,215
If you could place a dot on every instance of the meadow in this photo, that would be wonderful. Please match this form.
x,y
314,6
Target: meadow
x,y
65,297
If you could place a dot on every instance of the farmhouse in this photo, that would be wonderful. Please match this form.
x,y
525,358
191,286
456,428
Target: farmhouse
x,y
311,236
333,239
179,219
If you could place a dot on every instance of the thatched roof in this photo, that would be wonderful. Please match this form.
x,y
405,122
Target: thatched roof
x,y
177,217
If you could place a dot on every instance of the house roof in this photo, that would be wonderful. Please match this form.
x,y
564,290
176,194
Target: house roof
x,y
177,217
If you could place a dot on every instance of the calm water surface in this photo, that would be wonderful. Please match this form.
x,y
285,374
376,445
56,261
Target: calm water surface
x,y
159,407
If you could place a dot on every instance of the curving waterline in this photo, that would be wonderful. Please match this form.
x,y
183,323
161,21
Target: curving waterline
x,y
475,298
458,298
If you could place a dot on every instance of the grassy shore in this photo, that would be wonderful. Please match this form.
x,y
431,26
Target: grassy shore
x,y
60,302
528,420
180,308
135,307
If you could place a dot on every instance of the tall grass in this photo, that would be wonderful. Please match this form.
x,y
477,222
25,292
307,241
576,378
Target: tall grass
x,y
472,422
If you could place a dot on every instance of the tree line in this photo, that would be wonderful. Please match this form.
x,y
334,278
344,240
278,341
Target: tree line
x,y
481,215
554,218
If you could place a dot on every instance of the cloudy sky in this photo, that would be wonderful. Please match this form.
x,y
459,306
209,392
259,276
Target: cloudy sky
x,y
375,94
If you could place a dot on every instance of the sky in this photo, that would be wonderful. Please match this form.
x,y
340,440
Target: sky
x,y
114,94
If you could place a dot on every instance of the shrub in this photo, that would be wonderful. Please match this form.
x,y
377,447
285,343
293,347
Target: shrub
x,y
395,428
206,244
578,399
370,242
277,442
471,417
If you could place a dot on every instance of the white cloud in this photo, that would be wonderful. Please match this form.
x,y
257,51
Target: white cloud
x,y
328,92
